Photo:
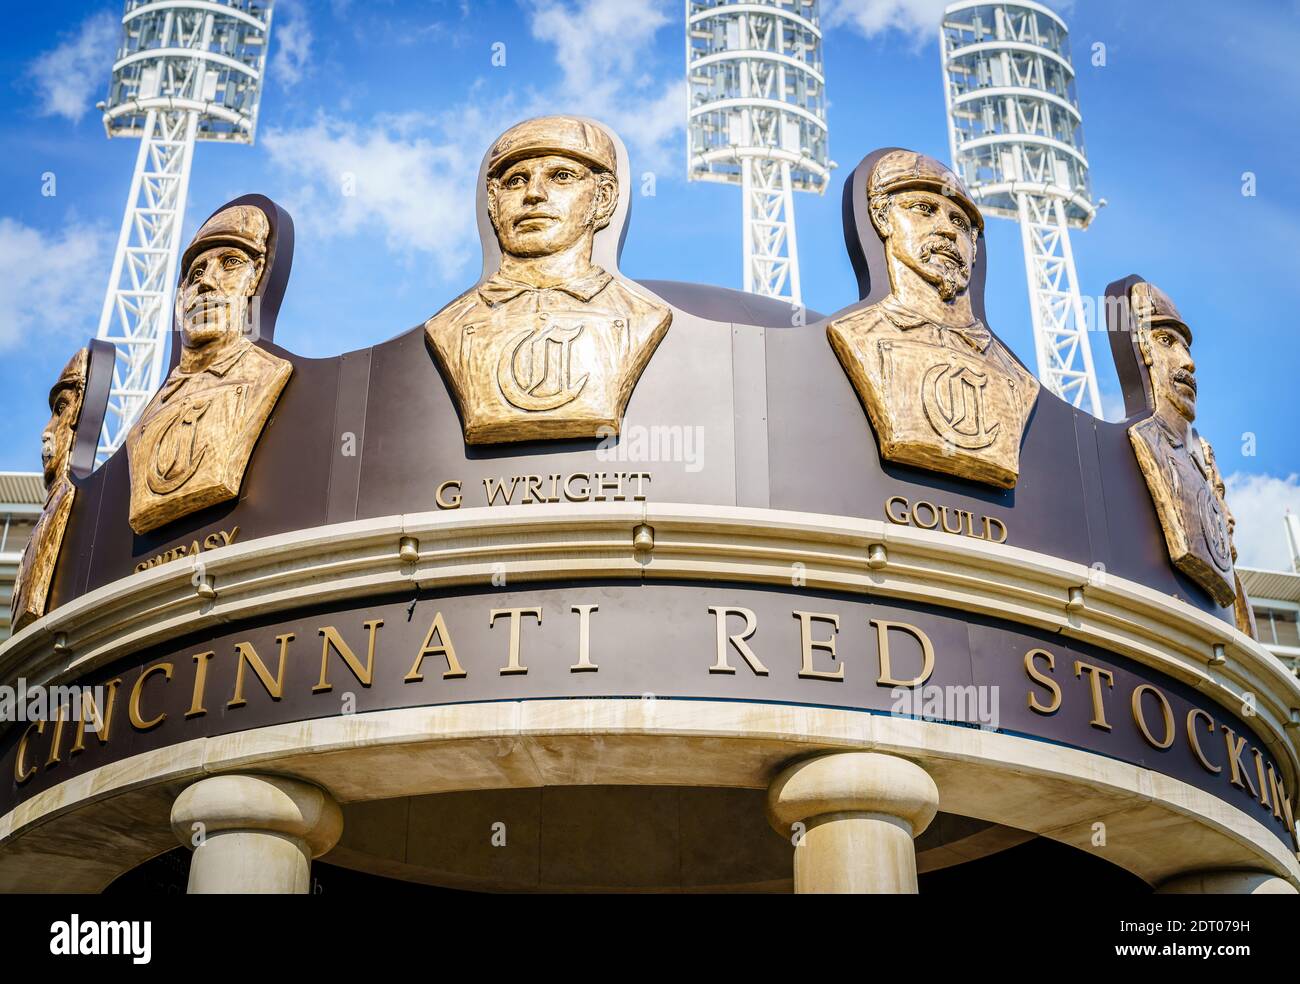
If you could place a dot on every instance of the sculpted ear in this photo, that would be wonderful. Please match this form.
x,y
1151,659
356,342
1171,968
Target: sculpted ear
x,y
258,267
878,206
492,201
606,198
1144,345
79,399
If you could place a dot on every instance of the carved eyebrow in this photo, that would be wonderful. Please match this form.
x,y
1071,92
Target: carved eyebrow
x,y
577,170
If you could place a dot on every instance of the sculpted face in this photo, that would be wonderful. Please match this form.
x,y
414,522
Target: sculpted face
x,y
212,303
542,205
1173,373
930,234
56,439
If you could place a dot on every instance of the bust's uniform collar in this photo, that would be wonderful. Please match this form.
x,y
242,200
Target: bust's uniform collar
x,y
498,289
1172,436
975,334
217,367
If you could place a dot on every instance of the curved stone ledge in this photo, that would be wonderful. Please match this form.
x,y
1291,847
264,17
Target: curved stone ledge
x,y
1152,825
361,559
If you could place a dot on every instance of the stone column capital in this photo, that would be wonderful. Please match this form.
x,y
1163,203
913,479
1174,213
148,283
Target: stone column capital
x,y
852,782
259,804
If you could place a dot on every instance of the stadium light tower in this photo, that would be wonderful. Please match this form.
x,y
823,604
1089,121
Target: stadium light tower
x,y
1016,138
756,117
184,72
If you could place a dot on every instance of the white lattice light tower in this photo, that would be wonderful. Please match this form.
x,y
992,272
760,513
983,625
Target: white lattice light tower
x,y
184,71
1016,138
756,115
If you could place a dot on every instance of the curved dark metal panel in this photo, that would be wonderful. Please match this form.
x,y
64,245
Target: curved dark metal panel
x,y
94,406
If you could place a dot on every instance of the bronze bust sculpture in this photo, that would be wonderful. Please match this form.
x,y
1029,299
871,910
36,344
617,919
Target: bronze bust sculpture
x,y
941,391
1172,456
190,446
551,344
36,569
1243,614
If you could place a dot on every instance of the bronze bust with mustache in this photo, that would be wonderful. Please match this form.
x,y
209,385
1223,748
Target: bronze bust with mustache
x,y
36,569
941,392
190,446
551,344
1179,472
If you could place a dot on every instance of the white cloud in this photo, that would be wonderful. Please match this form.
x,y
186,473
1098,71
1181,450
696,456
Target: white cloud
x,y
291,34
601,47
1258,504
918,18
405,177
594,38
53,284
68,77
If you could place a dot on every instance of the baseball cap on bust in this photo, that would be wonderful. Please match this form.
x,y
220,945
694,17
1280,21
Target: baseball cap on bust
x,y
566,135
902,169
1152,306
245,226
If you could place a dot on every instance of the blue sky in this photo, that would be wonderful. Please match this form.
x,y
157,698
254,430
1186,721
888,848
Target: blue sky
x,y
404,96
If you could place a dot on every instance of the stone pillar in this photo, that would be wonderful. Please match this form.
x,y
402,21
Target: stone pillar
x,y
1226,882
258,834
860,813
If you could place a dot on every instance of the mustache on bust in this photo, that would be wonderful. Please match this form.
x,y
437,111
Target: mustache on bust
x,y
212,302
1185,376
943,248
